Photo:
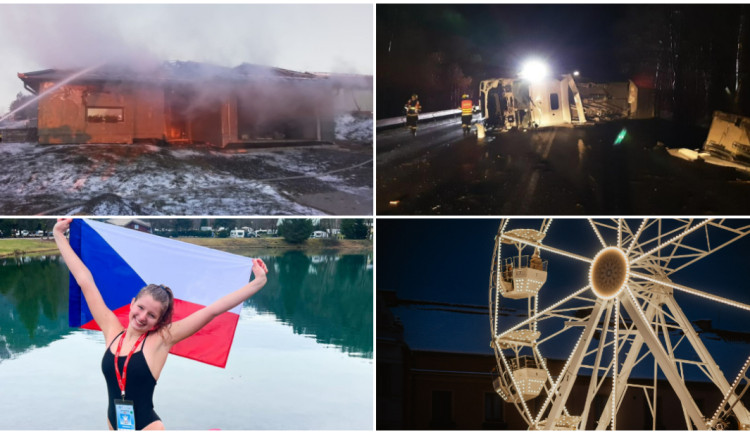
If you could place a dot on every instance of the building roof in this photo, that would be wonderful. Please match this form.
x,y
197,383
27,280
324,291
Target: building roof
x,y
125,222
354,81
170,72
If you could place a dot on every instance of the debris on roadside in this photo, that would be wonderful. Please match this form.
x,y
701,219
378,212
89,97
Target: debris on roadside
x,y
727,144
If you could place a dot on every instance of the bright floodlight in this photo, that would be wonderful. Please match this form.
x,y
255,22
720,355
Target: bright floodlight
x,y
534,70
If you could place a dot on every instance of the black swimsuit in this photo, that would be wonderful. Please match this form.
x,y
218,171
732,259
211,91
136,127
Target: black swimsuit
x,y
139,387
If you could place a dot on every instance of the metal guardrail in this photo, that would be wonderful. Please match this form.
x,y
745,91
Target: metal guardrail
x,y
382,123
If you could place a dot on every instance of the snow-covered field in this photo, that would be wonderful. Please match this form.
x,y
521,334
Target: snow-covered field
x,y
149,180
354,127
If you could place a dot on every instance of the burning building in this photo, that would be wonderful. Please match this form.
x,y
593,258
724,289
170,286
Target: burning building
x,y
190,102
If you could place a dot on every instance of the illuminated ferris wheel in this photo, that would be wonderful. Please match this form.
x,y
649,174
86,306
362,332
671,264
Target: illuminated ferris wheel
x,y
623,321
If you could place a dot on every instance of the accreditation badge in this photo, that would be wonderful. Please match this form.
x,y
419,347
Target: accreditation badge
x,y
125,414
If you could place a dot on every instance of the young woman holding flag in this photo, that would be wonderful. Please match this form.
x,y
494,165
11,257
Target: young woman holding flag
x,y
137,353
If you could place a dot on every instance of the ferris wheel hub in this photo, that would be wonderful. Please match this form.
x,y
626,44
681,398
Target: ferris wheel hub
x,y
608,273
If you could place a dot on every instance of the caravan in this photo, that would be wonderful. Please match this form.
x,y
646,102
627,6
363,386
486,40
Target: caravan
x,y
507,103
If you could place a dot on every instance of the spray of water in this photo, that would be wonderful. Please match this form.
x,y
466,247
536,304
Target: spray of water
x,y
51,89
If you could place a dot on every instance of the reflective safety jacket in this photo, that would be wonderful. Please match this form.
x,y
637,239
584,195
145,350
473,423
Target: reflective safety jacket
x,y
467,107
412,107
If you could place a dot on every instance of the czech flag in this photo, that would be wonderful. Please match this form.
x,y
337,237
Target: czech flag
x,y
123,261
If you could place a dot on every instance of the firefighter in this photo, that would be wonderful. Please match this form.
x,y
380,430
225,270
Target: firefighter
x,y
412,108
467,108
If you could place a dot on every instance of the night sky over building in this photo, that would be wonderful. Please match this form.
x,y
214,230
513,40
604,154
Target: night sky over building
x,y
440,268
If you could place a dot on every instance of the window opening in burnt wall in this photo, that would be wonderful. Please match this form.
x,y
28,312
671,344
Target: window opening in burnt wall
x,y
105,115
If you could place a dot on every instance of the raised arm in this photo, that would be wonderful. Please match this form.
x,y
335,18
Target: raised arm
x,y
189,325
104,317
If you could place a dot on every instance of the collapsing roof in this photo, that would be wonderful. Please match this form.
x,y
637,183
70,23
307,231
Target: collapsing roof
x,y
175,72
190,102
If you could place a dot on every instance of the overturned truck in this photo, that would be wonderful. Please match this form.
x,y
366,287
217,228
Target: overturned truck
x,y
729,137
190,102
515,103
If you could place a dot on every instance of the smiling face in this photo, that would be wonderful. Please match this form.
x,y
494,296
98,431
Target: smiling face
x,y
145,313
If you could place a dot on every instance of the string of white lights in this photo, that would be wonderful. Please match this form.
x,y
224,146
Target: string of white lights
x,y
596,231
635,237
547,248
671,240
499,271
692,291
499,390
650,331
552,307
549,223
518,390
498,288
619,233
535,348
732,388
556,384
614,362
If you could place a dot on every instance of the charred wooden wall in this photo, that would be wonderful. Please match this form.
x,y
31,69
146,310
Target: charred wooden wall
x,y
63,117
18,135
285,114
152,112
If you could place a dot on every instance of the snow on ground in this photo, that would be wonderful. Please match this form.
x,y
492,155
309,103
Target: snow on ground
x,y
150,180
355,128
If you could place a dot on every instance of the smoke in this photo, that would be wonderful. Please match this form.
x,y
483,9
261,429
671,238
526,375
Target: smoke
x,y
300,37
70,36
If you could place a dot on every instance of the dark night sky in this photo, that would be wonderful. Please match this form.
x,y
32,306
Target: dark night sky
x,y
423,48
448,261
568,36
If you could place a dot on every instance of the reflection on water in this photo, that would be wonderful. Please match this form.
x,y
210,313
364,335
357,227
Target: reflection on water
x,y
328,297
291,365
33,303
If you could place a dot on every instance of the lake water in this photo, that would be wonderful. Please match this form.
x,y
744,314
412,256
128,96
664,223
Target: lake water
x,y
301,358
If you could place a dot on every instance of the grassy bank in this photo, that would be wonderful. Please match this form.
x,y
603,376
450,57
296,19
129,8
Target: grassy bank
x,y
27,246
31,247
278,244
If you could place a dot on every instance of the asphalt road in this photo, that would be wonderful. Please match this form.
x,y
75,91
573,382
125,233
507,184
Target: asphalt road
x,y
552,171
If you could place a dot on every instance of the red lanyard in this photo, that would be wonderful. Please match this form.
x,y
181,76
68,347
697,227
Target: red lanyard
x,y
121,380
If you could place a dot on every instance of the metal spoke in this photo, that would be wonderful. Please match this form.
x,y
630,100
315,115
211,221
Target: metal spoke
x,y
670,241
692,291
547,248
523,323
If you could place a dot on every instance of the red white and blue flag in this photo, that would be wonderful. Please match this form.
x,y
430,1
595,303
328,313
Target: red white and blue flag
x,y
123,261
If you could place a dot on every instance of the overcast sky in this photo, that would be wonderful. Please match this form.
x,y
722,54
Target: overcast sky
x,y
306,37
